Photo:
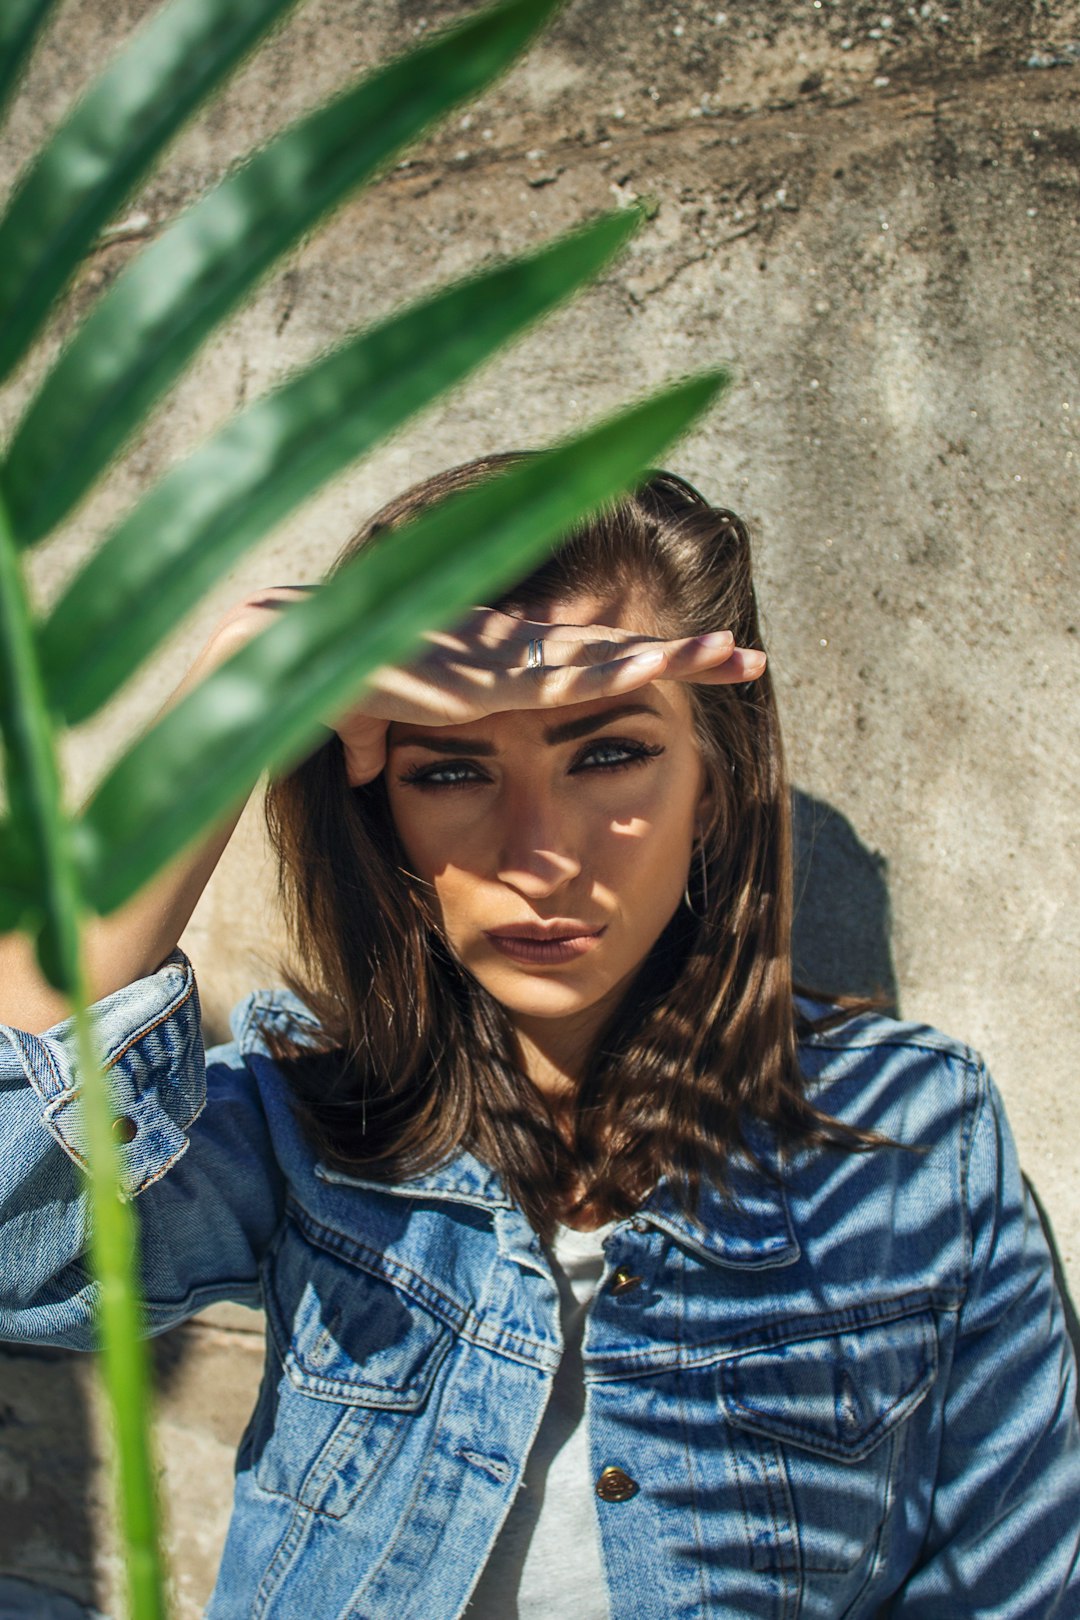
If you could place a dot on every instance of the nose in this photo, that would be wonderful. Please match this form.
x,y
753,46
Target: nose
x,y
536,856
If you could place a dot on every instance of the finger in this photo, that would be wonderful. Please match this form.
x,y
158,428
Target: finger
x,y
712,658
687,651
555,684
591,650
279,596
516,652
503,640
742,664
489,627
710,665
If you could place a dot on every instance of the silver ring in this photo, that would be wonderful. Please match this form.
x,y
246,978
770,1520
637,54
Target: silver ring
x,y
534,658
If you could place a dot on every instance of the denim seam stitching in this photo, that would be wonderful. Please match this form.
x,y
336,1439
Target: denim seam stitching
x,y
688,1453
407,1511
640,1364
283,1556
412,1283
126,1194
154,1022
975,1072
808,1440
457,1318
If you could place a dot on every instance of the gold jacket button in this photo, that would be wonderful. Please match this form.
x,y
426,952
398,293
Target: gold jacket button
x,y
624,1281
615,1486
124,1129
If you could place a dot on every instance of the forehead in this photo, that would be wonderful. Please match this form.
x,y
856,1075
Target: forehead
x,y
621,609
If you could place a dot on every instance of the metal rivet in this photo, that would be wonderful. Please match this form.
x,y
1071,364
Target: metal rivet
x,y
624,1281
125,1129
615,1486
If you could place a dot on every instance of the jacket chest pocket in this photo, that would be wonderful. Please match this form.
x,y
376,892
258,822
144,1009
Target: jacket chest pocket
x,y
818,1431
351,1363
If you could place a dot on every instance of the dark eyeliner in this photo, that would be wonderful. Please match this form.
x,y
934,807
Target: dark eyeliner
x,y
634,751
423,776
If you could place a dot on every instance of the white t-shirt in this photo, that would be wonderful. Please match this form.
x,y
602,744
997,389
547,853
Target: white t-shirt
x,y
546,1561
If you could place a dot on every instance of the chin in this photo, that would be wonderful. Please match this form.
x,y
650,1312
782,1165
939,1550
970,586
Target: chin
x,y
540,998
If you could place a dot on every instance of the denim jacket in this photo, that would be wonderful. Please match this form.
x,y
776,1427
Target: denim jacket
x,y
848,1391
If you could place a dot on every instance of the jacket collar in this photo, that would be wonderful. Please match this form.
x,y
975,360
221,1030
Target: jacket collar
x,y
463,1179
749,1226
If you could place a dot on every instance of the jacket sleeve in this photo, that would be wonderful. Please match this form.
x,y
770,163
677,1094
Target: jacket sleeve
x,y
1004,1538
199,1164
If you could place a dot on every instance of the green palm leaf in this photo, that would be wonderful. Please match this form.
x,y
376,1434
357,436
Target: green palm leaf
x,y
20,23
17,896
264,707
94,162
38,837
148,326
202,516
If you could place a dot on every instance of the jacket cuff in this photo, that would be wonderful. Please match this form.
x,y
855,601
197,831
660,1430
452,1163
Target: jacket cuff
x,y
151,1039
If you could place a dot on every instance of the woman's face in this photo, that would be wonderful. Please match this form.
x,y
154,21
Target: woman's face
x,y
557,841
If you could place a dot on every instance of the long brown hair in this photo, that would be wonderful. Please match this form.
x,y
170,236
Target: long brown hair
x,y
414,1059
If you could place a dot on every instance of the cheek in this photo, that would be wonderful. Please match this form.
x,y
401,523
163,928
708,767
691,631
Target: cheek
x,y
428,830
647,872
456,893
441,854
661,816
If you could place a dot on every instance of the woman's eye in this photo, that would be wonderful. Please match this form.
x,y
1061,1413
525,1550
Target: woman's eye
x,y
614,754
608,754
449,774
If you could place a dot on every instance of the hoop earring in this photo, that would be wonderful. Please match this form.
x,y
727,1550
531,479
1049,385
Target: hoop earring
x,y
704,912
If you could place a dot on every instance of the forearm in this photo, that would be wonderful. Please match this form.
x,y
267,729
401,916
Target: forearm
x,y
128,945
133,941
193,1140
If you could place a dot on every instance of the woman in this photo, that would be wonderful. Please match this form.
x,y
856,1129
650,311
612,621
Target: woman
x,y
602,1274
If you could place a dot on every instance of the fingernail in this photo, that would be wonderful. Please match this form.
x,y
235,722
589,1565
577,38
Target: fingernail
x,y
647,660
715,638
755,661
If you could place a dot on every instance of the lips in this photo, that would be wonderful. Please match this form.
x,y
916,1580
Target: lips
x,y
540,945
557,929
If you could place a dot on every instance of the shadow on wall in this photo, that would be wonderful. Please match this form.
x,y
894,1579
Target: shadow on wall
x,y
47,1464
841,942
24,1600
51,1482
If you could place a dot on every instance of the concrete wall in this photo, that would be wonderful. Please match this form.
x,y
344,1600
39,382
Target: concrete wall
x,y
872,212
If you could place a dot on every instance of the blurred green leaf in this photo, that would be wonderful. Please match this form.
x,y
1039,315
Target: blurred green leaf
x,y
20,22
17,887
265,705
95,160
200,518
36,825
12,911
148,326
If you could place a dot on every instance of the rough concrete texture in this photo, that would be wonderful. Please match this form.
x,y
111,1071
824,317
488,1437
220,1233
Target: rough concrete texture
x,y
872,212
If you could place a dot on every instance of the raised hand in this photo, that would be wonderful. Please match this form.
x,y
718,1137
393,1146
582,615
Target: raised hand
x,y
491,662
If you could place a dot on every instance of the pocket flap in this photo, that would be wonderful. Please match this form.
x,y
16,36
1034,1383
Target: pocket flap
x,y
346,1335
836,1393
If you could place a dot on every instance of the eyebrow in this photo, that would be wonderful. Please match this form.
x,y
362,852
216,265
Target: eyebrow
x,y
566,731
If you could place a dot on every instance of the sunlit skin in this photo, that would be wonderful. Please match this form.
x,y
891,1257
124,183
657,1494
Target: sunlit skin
x,y
514,823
